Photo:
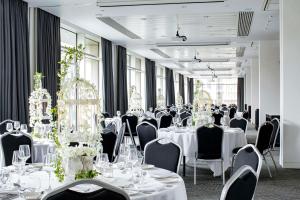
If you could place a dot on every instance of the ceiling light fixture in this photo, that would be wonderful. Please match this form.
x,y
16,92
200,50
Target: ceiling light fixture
x,y
181,37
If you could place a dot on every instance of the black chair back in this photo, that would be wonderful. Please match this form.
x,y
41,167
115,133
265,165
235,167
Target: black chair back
x,y
166,156
151,121
120,138
238,123
246,115
146,132
276,125
11,142
217,118
248,155
210,141
133,121
173,113
106,115
165,121
106,192
108,143
184,115
232,112
241,186
264,136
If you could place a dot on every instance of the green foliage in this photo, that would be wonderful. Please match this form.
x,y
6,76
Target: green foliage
x,y
59,170
86,174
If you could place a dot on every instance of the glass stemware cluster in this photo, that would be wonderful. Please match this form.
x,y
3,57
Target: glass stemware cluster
x,y
16,125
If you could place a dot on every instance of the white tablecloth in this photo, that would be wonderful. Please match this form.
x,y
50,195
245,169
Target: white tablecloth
x,y
187,139
157,189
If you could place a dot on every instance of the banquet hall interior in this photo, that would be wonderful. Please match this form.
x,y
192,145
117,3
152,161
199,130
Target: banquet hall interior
x,y
149,99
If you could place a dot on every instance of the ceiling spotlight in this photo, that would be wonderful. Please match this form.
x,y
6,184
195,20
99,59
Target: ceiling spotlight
x,y
182,37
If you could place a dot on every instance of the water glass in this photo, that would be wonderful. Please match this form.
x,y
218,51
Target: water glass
x,y
23,128
9,127
24,153
17,162
48,161
118,113
17,125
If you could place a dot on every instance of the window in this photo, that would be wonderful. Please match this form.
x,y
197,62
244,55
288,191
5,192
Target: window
x,y
91,66
176,85
222,90
161,82
186,98
136,75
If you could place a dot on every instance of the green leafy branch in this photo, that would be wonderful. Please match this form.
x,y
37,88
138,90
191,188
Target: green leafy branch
x,y
86,174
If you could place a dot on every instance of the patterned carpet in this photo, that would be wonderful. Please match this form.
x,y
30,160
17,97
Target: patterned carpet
x,y
284,185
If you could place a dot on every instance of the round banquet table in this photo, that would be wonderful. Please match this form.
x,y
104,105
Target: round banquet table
x,y
187,139
159,184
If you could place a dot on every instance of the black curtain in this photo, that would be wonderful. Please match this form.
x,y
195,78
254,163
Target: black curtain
x,y
150,84
240,94
108,76
48,51
14,60
190,90
170,92
181,87
122,95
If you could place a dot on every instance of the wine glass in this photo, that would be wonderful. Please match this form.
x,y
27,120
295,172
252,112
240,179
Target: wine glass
x,y
9,127
24,153
118,113
23,128
4,176
17,125
189,122
48,161
17,162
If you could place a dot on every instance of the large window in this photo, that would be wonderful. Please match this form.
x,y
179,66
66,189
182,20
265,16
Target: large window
x,y
186,98
221,90
176,85
136,75
90,68
161,82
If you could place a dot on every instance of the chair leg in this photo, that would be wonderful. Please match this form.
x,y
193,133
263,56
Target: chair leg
x,y
267,166
195,168
223,172
273,161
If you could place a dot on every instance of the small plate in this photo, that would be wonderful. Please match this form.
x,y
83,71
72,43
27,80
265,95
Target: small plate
x,y
146,166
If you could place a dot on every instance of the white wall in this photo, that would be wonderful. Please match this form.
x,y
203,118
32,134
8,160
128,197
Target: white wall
x,y
269,79
289,83
254,87
248,86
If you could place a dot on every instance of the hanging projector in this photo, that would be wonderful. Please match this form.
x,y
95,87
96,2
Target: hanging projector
x,y
181,37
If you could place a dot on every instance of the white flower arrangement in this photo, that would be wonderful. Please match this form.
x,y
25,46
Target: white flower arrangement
x,y
39,104
135,100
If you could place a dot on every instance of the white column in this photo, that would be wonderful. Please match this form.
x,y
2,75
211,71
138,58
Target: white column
x,y
269,79
254,88
248,86
289,83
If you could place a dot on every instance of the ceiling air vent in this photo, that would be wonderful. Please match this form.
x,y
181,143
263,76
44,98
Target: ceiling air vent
x,y
115,25
245,21
160,53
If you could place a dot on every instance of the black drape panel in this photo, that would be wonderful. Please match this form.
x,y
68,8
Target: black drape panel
x,y
14,60
108,76
190,90
170,92
48,51
122,95
240,94
150,84
181,87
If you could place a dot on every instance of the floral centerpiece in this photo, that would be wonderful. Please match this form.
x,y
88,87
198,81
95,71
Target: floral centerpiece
x,y
135,101
78,133
179,101
39,107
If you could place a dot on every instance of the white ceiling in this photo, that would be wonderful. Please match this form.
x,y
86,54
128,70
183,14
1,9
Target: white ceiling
x,y
157,25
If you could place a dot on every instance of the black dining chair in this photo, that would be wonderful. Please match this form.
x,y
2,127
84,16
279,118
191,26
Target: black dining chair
x,y
248,155
246,115
161,154
151,121
240,186
173,113
184,115
106,115
239,122
217,118
107,191
232,112
10,141
165,121
3,125
276,129
146,132
108,142
119,140
210,142
160,114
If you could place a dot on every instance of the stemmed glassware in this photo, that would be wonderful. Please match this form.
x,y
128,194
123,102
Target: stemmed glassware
x,y
17,162
9,127
23,128
118,113
24,153
17,125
